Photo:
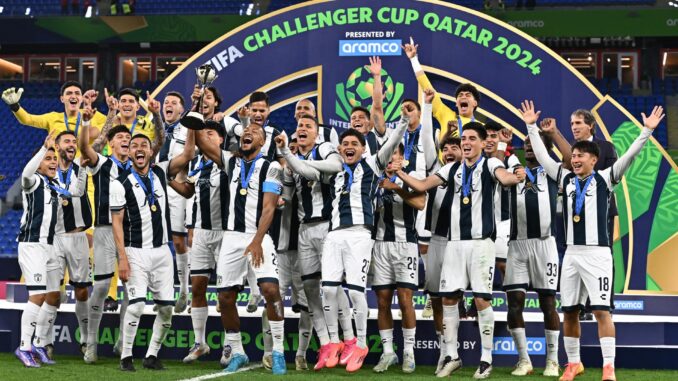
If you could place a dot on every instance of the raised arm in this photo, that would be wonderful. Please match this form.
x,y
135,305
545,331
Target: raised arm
x,y
28,175
426,133
507,179
180,161
100,141
384,154
81,184
154,109
624,162
12,96
551,167
295,164
377,111
548,126
86,151
211,150
420,185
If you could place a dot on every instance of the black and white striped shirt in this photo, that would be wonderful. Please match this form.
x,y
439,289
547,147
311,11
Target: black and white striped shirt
x,y
104,173
285,227
143,226
353,202
474,220
502,210
438,206
269,149
212,197
533,208
396,219
41,204
74,212
174,141
245,210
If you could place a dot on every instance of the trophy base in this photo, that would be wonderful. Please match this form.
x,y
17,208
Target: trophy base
x,y
193,121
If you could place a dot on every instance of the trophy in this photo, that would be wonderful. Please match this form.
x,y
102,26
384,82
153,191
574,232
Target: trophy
x,y
194,119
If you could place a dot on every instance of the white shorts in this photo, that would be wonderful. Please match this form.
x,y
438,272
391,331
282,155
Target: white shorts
x,y
188,213
72,251
40,267
151,270
434,263
311,238
502,240
290,277
232,264
468,261
394,265
532,265
105,253
347,251
586,272
205,251
177,211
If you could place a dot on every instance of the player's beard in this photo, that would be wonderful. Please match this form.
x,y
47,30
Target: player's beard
x,y
245,153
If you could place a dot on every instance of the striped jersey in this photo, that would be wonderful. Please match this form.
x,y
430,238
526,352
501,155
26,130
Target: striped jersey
x,y
210,206
41,205
327,134
438,206
396,219
413,157
269,149
146,220
353,193
533,206
502,210
592,227
285,227
74,212
174,141
245,209
104,173
475,219
315,198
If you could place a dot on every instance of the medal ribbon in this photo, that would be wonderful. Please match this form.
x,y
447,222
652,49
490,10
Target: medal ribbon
x,y
409,141
533,177
581,193
348,170
302,157
77,123
67,180
150,196
245,180
459,124
127,165
467,178
62,191
134,125
203,164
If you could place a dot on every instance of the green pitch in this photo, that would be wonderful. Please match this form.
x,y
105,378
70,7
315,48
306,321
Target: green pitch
x,y
73,369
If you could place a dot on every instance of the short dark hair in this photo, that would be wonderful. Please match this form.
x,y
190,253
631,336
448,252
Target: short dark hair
x,y
35,152
176,94
311,117
478,128
362,109
493,126
261,127
586,146
589,119
259,96
120,128
62,133
470,88
352,132
129,91
449,139
141,136
416,103
68,84
213,125
400,149
216,95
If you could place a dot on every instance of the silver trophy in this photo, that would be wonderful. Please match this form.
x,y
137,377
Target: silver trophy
x,y
194,120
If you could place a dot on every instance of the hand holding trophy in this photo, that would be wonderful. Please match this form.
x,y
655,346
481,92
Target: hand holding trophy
x,y
194,120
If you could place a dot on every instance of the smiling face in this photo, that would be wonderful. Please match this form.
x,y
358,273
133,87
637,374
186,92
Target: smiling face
x,y
583,163
259,112
491,141
72,99
451,153
141,152
172,109
304,106
48,165
351,150
66,146
209,104
413,113
120,145
307,133
128,107
251,141
471,145
466,103
360,122
580,130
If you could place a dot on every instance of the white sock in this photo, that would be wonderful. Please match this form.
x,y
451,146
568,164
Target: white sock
x,y
441,344
124,303
95,308
451,330
552,344
49,339
386,340
266,331
315,308
360,313
131,324
162,324
572,349
199,320
29,320
520,342
486,328
408,339
183,272
344,313
235,341
330,311
45,319
81,315
305,328
278,334
607,347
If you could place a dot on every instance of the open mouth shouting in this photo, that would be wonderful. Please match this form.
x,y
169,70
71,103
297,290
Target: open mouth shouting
x,y
246,141
577,167
358,125
351,155
169,113
464,107
466,150
302,136
140,158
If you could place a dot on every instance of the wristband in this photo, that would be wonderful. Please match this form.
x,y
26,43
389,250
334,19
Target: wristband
x,y
416,66
14,107
86,123
501,146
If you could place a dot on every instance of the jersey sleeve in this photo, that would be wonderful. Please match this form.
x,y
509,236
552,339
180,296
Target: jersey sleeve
x,y
444,173
225,158
232,127
37,121
278,153
274,179
493,164
326,149
101,159
117,199
513,162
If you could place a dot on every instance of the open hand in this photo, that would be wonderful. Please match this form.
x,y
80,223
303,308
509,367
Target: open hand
x,y
257,252
527,111
410,49
655,117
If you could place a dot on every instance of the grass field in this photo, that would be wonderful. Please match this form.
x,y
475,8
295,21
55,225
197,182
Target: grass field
x,y
70,368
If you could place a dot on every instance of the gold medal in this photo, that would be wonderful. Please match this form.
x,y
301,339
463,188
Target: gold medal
x,y
310,184
528,184
466,200
576,218
406,163
192,179
243,192
154,208
64,202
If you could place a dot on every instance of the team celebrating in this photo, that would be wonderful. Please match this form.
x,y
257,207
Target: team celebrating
x,y
326,212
